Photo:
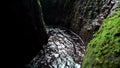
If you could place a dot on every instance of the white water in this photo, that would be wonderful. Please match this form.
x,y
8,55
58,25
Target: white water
x,y
62,51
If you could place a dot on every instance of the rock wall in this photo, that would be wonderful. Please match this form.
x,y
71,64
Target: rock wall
x,y
29,28
103,50
90,16
57,12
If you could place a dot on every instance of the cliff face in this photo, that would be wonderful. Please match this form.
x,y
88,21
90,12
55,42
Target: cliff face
x,y
104,50
30,30
57,12
90,16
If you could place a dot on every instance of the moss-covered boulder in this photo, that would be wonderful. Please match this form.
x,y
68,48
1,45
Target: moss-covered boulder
x,y
104,50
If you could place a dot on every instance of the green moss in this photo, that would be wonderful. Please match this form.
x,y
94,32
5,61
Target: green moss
x,y
97,1
102,50
90,13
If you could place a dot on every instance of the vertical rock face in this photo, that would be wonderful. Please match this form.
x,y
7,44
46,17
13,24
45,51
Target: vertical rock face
x,y
104,50
30,24
89,16
58,12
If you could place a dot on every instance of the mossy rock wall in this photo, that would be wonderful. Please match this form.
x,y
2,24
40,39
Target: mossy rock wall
x,y
103,50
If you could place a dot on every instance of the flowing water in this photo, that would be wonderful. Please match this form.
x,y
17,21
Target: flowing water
x,y
65,49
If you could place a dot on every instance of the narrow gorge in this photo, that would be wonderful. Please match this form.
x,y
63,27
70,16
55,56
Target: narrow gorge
x,y
68,33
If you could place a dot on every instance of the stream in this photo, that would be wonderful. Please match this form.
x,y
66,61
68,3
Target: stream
x,y
65,49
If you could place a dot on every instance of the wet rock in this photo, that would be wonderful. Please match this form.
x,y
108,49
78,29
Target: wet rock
x,y
60,52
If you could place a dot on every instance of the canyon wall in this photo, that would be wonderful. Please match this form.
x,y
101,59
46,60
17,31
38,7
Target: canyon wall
x,y
29,30
103,50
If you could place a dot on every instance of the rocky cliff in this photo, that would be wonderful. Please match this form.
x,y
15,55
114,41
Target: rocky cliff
x,y
30,32
103,50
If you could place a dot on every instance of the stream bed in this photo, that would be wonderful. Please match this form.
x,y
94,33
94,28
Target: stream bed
x,y
65,49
